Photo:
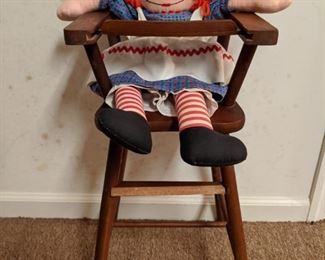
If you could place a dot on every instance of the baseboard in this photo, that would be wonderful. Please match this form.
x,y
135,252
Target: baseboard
x,y
66,205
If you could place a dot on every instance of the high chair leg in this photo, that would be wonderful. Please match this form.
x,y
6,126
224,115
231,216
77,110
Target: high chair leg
x,y
235,224
220,202
109,205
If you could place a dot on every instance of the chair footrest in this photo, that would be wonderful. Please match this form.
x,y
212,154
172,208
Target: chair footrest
x,y
129,188
168,223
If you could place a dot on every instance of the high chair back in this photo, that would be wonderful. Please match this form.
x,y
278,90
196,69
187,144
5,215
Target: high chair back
x,y
229,118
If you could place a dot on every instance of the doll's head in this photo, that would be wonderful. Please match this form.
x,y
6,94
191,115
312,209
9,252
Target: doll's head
x,y
169,6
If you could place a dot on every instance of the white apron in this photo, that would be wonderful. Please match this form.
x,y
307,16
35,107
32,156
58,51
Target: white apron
x,y
164,58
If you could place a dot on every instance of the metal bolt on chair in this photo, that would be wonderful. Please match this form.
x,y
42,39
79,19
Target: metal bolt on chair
x,y
229,118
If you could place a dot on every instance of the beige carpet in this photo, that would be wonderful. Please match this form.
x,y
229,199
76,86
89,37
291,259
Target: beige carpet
x,y
75,239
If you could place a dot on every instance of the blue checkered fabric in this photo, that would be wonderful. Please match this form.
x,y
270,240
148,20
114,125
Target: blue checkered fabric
x,y
119,8
219,9
122,10
170,85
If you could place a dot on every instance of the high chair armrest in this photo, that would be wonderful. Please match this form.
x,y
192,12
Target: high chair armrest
x,y
225,27
85,29
254,30
251,28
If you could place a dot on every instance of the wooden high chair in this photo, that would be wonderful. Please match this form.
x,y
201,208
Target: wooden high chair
x,y
229,118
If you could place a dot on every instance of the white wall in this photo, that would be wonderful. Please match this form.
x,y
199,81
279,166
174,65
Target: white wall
x,y
317,195
52,157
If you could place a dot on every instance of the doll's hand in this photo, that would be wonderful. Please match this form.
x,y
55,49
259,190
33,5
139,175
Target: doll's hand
x,y
262,6
70,9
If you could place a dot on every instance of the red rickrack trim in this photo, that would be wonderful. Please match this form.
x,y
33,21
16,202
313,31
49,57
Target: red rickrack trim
x,y
178,53
227,57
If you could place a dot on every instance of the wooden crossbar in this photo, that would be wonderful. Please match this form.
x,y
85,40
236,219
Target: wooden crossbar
x,y
168,223
129,188
161,28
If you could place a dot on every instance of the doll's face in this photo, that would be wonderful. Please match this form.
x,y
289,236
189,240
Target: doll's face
x,y
167,5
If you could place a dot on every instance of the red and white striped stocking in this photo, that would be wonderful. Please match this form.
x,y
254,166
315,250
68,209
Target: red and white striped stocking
x,y
130,99
192,110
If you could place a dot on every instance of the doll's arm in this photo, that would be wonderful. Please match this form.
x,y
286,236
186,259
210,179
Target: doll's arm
x,y
120,8
218,8
260,6
69,10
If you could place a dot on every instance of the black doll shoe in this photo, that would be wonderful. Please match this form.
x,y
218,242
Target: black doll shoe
x,y
204,147
126,128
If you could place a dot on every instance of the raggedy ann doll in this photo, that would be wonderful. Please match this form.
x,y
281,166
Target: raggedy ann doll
x,y
183,77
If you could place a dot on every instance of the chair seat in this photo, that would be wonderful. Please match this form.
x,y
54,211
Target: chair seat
x,y
227,119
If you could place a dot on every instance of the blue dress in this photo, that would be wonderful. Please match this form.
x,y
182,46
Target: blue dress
x,y
172,53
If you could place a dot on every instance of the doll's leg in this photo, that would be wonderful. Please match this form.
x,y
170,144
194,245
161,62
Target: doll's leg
x,y
70,9
261,6
127,124
130,99
200,145
192,111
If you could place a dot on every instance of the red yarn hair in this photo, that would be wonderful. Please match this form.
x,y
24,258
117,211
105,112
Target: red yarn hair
x,y
204,4
134,3
205,7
